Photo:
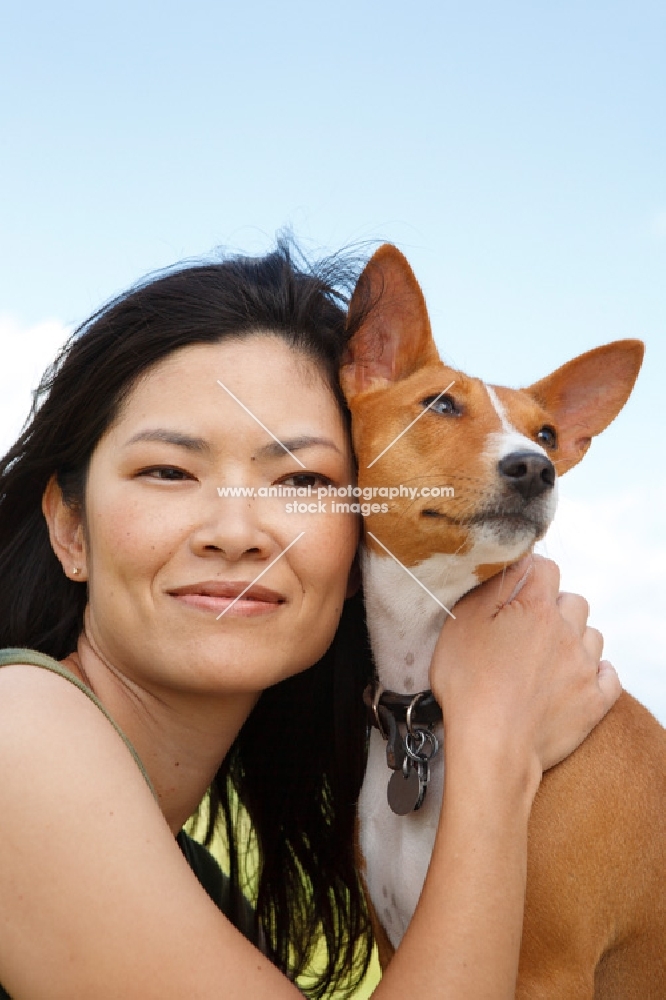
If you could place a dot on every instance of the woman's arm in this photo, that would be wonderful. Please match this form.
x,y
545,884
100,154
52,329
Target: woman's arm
x,y
96,899
520,687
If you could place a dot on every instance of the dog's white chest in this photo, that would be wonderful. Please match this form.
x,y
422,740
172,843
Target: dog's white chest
x,y
396,849
404,623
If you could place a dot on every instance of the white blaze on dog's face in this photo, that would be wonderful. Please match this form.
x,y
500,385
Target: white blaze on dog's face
x,y
499,449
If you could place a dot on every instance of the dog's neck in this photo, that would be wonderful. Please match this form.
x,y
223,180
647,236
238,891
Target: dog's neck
x,y
404,621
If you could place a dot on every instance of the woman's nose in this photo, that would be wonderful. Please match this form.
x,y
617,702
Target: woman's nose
x,y
234,527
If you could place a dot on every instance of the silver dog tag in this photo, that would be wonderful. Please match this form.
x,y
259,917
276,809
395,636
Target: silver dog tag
x,y
405,792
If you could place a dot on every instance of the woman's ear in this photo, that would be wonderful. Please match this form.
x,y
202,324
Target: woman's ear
x,y
65,526
354,578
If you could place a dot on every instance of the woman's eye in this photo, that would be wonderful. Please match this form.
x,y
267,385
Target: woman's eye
x,y
445,405
547,436
165,473
305,479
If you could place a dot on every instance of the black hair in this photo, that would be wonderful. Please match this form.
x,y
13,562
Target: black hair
x,y
297,764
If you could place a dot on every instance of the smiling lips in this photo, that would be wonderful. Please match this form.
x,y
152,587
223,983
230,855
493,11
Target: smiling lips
x,y
216,595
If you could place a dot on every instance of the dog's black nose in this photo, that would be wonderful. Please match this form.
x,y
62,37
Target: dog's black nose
x,y
528,472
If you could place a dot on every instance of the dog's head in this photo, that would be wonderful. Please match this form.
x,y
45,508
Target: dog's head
x,y
476,465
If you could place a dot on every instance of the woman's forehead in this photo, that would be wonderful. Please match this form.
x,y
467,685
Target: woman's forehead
x,y
258,379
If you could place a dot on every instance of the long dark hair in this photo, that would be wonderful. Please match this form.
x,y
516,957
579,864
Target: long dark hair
x,y
297,764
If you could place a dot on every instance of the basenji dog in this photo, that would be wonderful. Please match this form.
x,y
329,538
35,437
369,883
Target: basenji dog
x,y
489,458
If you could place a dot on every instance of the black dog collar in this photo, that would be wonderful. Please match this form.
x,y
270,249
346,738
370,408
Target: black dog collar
x,y
406,722
414,710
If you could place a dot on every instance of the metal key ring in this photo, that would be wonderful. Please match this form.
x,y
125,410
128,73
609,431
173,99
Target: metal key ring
x,y
412,705
416,736
424,736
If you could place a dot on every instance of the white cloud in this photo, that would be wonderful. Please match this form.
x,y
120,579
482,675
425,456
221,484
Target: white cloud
x,y
612,550
25,352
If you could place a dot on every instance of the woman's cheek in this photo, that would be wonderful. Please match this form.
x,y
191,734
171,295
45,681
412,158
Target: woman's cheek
x,y
328,547
133,536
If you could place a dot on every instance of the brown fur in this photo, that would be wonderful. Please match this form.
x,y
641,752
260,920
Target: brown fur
x,y
595,915
595,910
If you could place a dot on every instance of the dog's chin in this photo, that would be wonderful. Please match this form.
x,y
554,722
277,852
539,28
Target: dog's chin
x,y
506,538
508,529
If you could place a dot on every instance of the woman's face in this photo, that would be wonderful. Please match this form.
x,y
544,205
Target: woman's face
x,y
166,554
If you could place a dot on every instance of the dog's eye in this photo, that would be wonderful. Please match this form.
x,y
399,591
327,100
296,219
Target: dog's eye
x,y
547,436
444,404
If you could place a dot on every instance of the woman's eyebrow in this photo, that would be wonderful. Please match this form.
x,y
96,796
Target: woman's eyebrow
x,y
171,437
275,449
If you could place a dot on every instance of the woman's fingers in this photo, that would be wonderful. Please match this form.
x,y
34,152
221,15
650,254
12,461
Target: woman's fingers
x,y
536,578
593,641
574,609
609,683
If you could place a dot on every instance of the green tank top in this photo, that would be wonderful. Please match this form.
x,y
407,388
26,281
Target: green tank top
x,y
200,860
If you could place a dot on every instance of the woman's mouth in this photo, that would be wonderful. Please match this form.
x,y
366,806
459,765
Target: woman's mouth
x,y
242,598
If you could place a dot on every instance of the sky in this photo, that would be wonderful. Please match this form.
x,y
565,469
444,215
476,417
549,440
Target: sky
x,y
514,151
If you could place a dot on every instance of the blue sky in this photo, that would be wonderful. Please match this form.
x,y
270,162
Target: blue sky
x,y
516,152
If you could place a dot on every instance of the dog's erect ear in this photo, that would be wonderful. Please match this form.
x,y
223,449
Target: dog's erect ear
x,y
393,338
586,394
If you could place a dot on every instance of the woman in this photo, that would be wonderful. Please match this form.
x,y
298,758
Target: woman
x,y
223,638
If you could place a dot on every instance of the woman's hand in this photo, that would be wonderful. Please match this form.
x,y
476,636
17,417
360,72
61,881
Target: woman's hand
x,y
518,672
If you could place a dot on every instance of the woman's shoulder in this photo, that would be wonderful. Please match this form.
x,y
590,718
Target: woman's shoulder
x,y
59,744
22,656
40,711
25,657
